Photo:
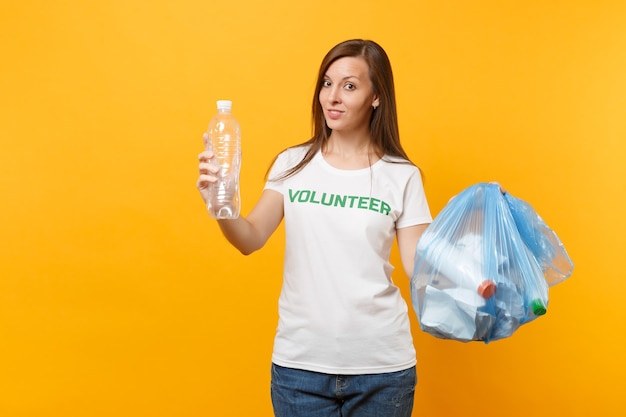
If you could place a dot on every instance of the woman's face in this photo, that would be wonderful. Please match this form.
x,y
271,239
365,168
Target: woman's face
x,y
347,96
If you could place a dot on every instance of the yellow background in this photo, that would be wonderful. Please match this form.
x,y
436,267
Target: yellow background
x,y
119,296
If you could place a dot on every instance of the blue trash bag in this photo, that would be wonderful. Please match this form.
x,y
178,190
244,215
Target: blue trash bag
x,y
542,241
475,275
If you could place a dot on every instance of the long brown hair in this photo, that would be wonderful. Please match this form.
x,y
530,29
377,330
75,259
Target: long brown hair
x,y
384,130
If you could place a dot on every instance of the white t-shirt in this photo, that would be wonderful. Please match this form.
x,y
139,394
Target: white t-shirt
x,y
339,310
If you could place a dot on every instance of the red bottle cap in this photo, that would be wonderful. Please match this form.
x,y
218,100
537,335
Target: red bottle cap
x,y
487,289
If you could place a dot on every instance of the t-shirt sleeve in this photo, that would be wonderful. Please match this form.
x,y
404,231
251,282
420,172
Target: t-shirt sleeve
x,y
272,182
415,206
285,160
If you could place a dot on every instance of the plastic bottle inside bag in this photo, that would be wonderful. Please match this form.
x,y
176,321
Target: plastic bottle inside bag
x,y
463,265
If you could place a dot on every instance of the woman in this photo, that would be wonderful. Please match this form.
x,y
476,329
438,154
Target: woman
x,y
343,345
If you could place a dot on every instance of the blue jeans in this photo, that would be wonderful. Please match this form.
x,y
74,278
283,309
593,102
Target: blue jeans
x,y
297,393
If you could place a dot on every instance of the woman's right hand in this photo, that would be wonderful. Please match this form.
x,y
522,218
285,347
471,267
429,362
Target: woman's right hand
x,y
207,168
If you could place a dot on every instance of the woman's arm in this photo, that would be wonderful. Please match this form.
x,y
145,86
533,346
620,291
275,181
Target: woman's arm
x,y
407,243
250,234
247,234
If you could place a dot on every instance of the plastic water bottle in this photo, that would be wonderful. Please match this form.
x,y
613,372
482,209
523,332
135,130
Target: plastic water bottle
x,y
225,142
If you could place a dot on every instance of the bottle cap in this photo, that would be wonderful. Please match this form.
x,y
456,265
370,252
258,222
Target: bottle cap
x,y
487,289
538,308
224,104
